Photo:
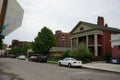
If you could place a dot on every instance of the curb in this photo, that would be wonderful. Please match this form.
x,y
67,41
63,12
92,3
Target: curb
x,y
101,70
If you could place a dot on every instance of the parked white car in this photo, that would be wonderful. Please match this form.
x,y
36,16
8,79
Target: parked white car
x,y
70,62
22,57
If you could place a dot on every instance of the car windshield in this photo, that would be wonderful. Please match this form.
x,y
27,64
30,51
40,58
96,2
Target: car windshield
x,y
33,56
73,59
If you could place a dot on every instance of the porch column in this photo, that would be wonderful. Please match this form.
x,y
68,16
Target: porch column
x,y
87,41
77,43
95,45
71,44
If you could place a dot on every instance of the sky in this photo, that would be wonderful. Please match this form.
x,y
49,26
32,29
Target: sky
x,y
63,15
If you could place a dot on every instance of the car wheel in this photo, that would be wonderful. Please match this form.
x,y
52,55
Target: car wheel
x,y
59,64
45,61
69,65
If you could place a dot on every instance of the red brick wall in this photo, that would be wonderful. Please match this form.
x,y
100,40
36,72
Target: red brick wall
x,y
116,52
63,39
106,44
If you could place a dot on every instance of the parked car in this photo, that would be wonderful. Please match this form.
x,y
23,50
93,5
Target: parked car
x,y
42,58
70,62
11,56
33,58
22,57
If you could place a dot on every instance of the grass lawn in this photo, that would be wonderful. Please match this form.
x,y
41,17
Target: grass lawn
x,y
52,62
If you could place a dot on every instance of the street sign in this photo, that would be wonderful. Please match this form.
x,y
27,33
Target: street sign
x,y
13,17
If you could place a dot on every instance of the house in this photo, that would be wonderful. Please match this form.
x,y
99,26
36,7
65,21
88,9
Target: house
x,y
96,37
58,51
115,43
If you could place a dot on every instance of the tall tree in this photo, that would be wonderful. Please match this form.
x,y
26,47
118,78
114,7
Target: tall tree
x,y
44,41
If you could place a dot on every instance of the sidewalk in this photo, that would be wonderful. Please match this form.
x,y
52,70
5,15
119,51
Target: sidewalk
x,y
103,66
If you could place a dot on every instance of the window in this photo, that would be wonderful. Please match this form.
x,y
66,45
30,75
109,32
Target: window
x,y
63,39
63,36
119,46
81,28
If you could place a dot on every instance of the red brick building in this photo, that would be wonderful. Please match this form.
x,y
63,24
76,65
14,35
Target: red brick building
x,y
19,43
115,41
63,39
96,37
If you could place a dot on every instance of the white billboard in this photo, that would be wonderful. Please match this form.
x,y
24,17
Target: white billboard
x,y
13,17
1,2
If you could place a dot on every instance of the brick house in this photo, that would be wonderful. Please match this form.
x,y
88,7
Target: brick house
x,y
115,43
96,37
63,39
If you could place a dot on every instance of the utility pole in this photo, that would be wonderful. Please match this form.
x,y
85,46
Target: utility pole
x,y
2,18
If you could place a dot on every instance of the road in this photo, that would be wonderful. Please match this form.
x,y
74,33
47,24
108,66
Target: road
x,y
44,71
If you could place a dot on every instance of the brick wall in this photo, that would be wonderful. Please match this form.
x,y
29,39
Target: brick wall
x,y
63,39
116,51
106,44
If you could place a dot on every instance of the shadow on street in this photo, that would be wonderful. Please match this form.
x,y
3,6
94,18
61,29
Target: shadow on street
x,y
9,76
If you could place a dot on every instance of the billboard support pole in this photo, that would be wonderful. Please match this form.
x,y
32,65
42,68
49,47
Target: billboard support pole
x,y
2,17
3,12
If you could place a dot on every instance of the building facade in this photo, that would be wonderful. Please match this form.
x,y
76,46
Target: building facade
x,y
19,43
115,43
63,39
96,37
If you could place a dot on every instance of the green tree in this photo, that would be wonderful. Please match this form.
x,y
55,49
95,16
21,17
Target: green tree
x,y
44,41
25,48
16,50
66,53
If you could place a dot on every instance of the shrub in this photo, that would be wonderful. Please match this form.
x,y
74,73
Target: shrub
x,y
82,53
108,55
66,53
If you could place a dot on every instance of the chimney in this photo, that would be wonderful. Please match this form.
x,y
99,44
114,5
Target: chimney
x,y
106,25
100,21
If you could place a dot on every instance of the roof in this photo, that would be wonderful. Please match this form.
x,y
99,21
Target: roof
x,y
59,49
95,26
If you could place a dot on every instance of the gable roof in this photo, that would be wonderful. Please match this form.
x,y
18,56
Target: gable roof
x,y
95,26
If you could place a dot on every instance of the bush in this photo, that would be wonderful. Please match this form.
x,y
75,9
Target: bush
x,y
108,55
82,53
66,53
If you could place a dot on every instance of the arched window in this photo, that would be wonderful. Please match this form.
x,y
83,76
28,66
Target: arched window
x,y
81,28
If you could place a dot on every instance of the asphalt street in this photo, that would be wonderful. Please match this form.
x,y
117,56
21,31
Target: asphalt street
x,y
44,71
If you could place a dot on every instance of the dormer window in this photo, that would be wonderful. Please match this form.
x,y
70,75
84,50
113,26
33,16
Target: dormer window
x,y
81,28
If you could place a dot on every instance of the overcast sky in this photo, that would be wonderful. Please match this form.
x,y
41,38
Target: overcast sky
x,y
63,15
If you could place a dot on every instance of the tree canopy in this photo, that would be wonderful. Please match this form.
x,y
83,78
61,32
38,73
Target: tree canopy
x,y
19,50
44,41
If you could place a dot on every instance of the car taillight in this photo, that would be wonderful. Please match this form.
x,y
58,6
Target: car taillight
x,y
74,62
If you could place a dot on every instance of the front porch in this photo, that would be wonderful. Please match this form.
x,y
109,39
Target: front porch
x,y
93,42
